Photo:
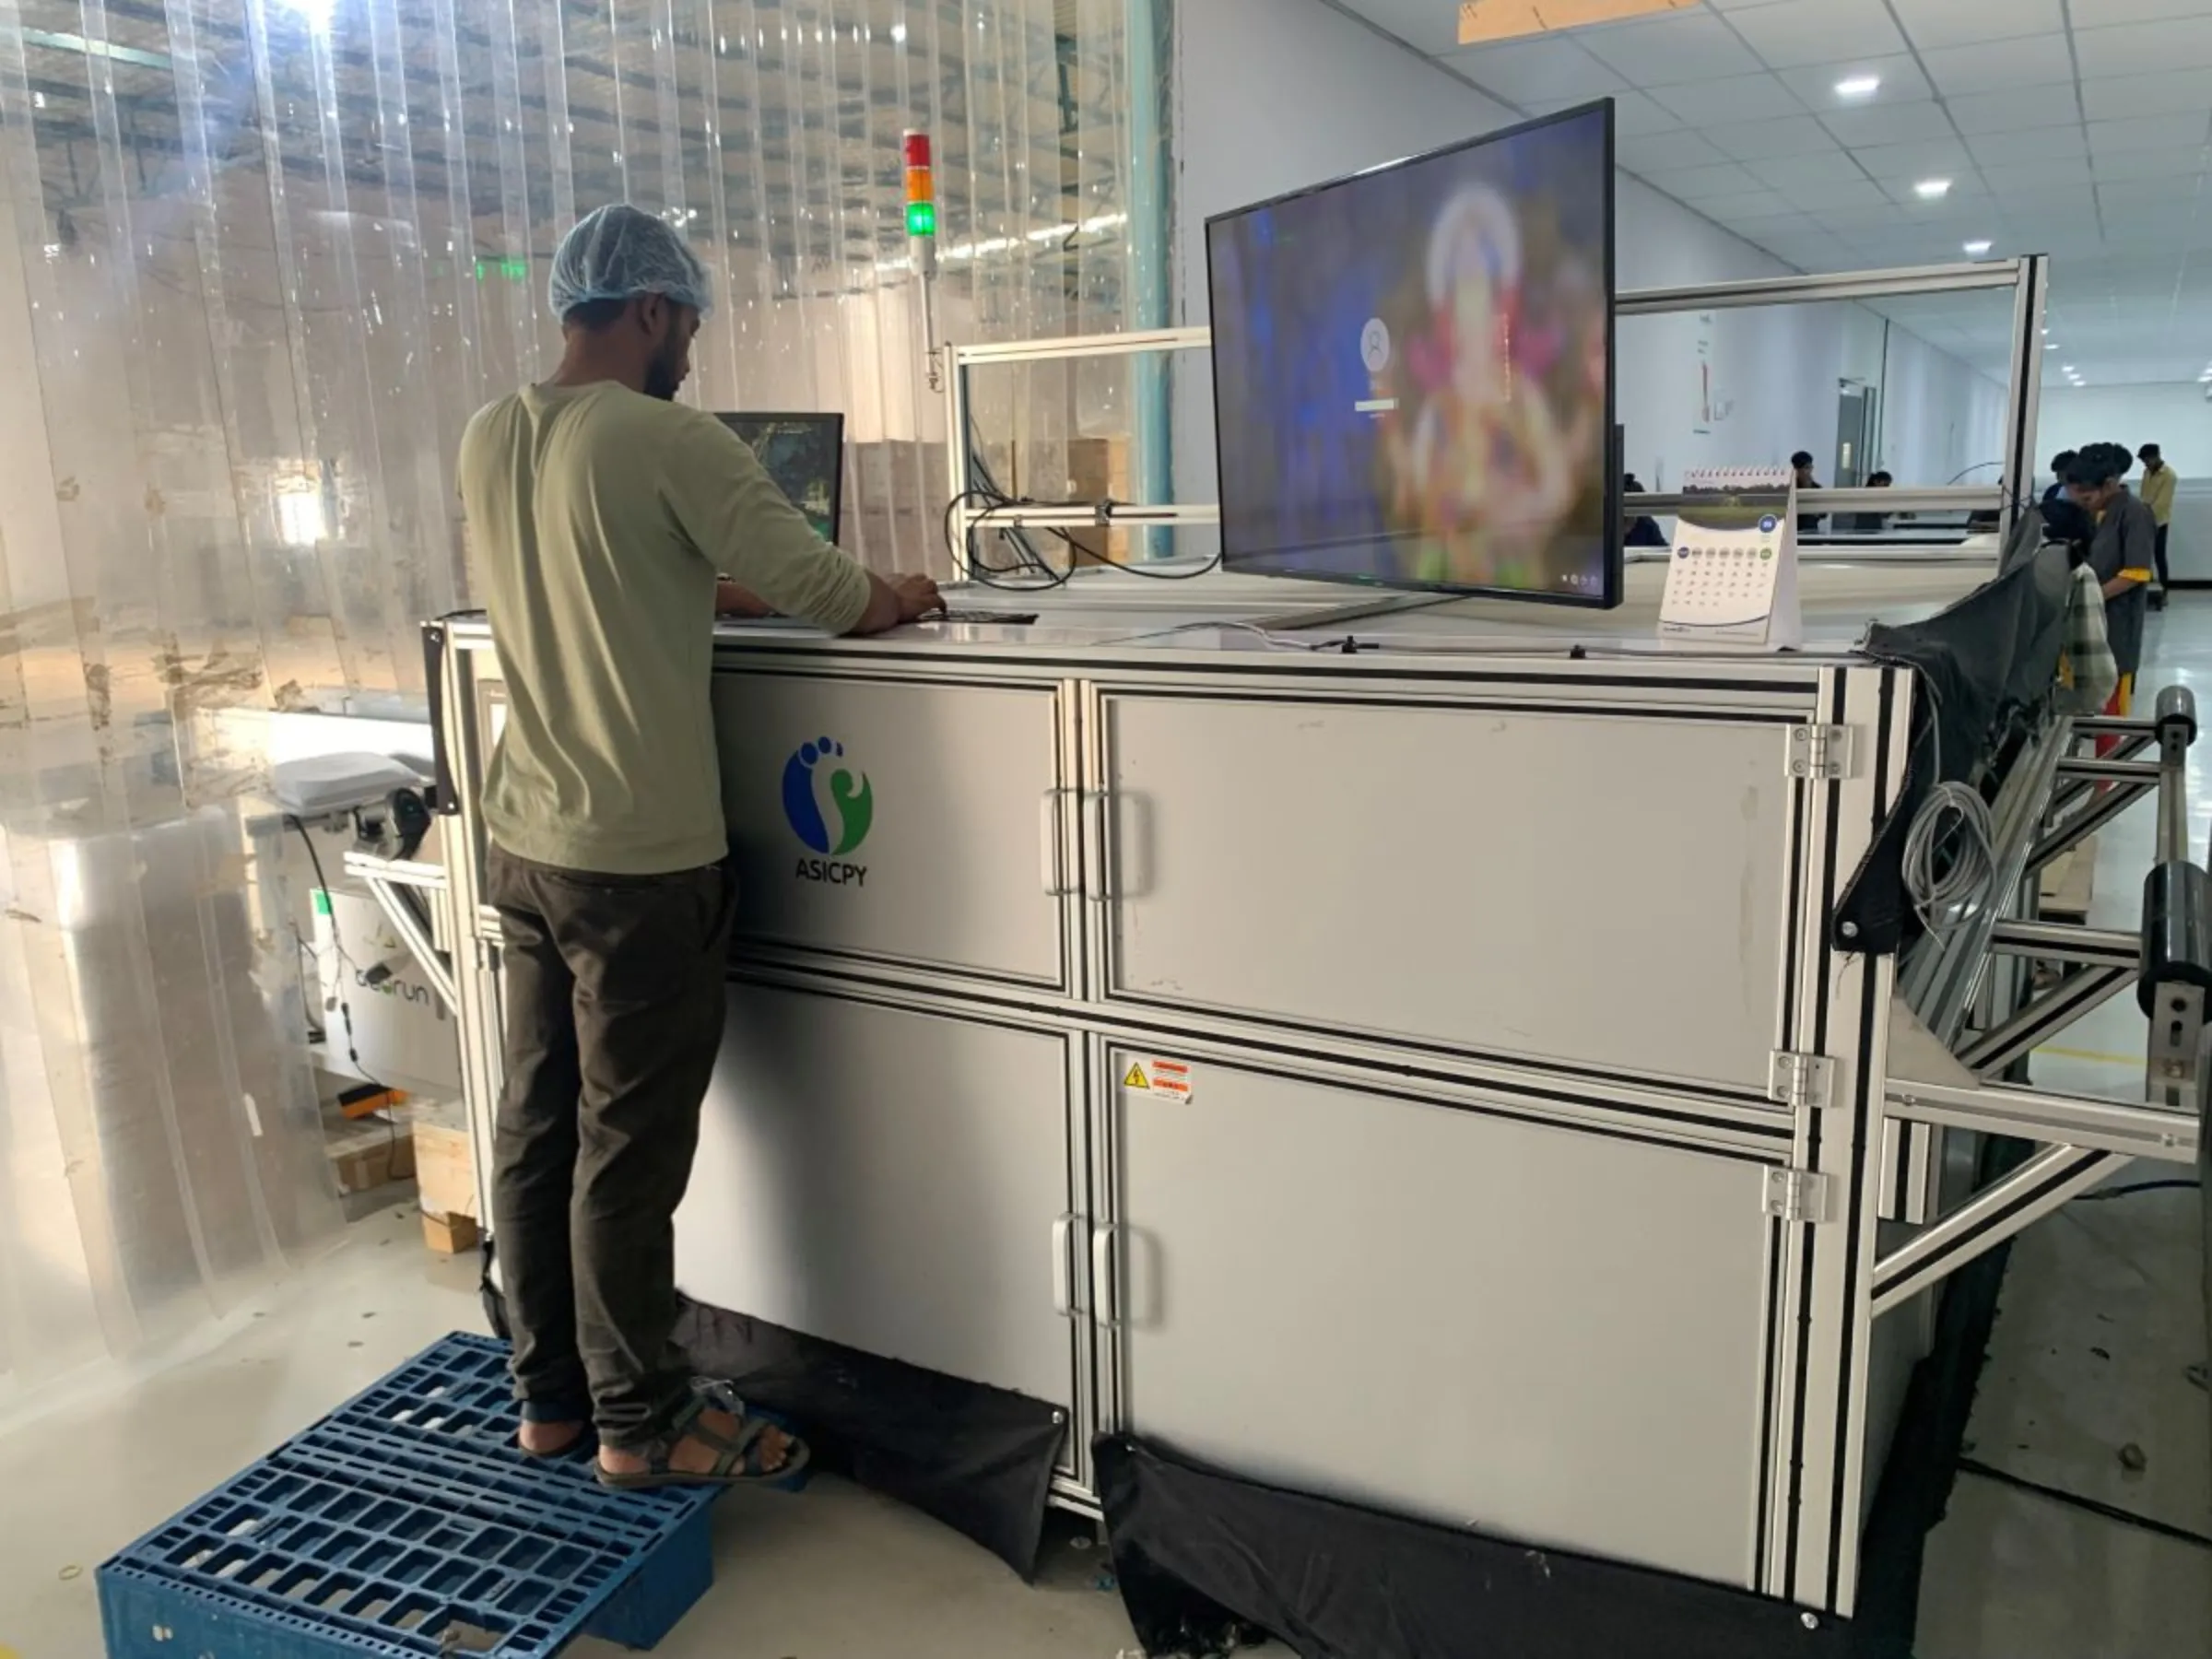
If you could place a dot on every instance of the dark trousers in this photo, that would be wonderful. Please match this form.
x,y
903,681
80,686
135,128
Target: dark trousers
x,y
2159,551
614,993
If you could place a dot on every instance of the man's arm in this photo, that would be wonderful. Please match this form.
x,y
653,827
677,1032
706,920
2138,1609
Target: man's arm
x,y
2137,539
772,561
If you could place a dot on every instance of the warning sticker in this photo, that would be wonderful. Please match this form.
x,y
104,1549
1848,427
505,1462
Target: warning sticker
x,y
1169,1077
1136,1079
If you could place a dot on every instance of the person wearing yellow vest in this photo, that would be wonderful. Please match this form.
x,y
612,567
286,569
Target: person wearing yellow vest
x,y
2159,480
2122,552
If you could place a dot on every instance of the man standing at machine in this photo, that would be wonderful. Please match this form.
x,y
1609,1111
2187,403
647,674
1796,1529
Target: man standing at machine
x,y
600,515
2122,551
2159,480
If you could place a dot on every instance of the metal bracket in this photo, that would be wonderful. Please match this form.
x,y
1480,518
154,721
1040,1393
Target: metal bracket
x,y
1796,1195
1819,752
1798,1081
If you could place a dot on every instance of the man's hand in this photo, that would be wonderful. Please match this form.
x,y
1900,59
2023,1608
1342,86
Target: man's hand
x,y
897,601
917,597
730,600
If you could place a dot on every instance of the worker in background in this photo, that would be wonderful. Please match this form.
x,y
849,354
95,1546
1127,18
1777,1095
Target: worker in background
x,y
1868,522
600,515
2122,553
1638,530
2159,480
2063,520
1802,465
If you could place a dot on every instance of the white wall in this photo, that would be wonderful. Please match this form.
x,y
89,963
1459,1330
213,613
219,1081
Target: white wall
x,y
1271,95
2175,417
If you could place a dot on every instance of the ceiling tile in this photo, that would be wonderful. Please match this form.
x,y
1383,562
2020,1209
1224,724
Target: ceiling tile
x,y
1763,140
1739,98
1902,83
2126,98
2054,171
2016,112
2145,11
1667,150
2144,48
1686,46
1692,185
2148,164
1634,114
1900,123
2155,193
2175,133
2038,144
1791,174
1929,158
1995,65
1525,71
1760,206
1821,198
1794,32
1934,24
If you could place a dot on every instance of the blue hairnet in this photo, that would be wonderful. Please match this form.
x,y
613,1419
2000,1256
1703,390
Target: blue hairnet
x,y
619,253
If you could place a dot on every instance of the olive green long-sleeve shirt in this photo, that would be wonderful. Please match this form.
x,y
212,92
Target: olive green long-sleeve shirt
x,y
598,519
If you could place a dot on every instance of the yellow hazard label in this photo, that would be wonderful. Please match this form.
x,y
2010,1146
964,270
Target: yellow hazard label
x,y
1135,1079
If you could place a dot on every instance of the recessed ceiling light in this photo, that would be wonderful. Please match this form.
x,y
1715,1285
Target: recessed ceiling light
x,y
1929,190
2050,344
1858,86
1975,250
2065,367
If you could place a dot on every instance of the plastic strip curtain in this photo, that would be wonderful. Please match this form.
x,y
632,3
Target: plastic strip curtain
x,y
259,261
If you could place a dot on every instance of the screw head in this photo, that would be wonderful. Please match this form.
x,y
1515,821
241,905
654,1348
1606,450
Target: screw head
x,y
1851,930
1810,1622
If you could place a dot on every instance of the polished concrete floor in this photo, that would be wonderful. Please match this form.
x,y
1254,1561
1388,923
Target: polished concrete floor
x,y
2088,1390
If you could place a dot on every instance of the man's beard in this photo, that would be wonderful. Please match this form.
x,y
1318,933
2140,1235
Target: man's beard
x,y
664,375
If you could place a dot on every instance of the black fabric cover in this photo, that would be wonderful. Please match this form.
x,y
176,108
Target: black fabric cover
x,y
1205,1559
979,1459
1987,668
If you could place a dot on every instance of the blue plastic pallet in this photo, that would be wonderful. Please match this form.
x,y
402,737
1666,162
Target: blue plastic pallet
x,y
400,1533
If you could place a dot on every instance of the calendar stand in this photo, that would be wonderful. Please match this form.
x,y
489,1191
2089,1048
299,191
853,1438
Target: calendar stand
x,y
1732,579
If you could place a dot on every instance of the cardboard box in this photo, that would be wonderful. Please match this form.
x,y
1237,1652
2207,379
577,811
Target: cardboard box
x,y
449,1235
445,1160
370,1154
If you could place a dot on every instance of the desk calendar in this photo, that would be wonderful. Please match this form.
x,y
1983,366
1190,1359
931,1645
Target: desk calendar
x,y
1732,573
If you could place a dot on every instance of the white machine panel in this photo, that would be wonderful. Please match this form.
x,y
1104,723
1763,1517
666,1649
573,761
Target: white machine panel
x,y
918,836
1483,1321
1362,868
889,1180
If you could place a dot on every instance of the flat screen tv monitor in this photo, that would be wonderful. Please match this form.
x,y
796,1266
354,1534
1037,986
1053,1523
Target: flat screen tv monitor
x,y
1413,371
806,455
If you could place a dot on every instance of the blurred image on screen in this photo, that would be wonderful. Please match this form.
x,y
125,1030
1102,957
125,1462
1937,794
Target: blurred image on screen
x,y
1413,371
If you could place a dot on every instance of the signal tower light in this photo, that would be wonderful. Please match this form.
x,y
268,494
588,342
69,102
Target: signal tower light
x,y
921,187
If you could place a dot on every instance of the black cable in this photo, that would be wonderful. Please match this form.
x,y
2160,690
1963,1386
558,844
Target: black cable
x,y
2164,1529
2103,1193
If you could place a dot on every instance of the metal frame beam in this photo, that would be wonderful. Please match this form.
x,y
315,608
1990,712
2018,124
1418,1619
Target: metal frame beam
x,y
2052,1177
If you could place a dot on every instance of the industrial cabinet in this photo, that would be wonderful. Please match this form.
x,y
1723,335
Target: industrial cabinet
x,y
1361,867
1548,1329
901,1178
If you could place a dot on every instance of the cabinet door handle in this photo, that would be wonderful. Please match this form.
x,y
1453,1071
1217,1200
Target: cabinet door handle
x,y
1051,860
1064,1291
1096,887
1105,1290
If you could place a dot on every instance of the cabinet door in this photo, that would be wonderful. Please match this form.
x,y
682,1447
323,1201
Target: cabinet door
x,y
895,1180
1555,1335
904,820
1603,890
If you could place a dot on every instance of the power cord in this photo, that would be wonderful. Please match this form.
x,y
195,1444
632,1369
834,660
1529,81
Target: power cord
x,y
1954,819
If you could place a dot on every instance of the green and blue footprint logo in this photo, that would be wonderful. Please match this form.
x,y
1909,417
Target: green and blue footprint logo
x,y
829,805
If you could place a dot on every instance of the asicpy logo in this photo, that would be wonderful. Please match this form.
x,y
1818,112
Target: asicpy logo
x,y
830,806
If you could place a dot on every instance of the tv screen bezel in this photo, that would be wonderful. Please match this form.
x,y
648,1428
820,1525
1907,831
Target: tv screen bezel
x,y
1615,560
